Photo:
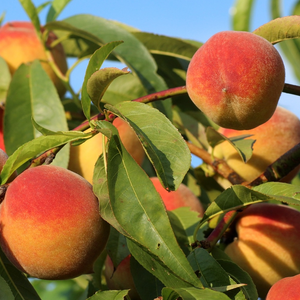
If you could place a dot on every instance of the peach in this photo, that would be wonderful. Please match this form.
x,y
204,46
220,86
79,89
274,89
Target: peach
x,y
285,288
50,223
19,44
84,156
267,244
120,278
273,139
236,79
182,197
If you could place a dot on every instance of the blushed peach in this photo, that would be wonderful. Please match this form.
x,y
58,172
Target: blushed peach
x,y
236,79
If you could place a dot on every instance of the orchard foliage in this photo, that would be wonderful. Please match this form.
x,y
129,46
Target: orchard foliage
x,y
174,254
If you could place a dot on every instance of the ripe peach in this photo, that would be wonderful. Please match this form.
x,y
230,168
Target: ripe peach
x,y
182,197
121,278
84,156
236,79
285,288
50,225
267,246
20,44
273,139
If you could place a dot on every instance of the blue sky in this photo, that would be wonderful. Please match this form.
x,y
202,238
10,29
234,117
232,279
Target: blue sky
x,y
191,19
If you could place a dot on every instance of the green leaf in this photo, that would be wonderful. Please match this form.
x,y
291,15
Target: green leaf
x,y
242,10
5,79
116,246
280,29
242,145
5,291
147,285
165,45
240,276
35,147
32,94
99,81
55,9
109,295
163,144
19,285
212,274
32,14
130,203
234,197
133,53
94,65
192,294
124,88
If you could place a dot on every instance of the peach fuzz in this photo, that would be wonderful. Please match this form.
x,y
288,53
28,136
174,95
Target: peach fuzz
x,y
273,139
120,278
182,197
51,227
19,44
285,288
84,156
236,79
267,244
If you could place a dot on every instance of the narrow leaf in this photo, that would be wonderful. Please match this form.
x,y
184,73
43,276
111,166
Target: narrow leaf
x,y
241,15
35,147
192,294
99,81
5,78
94,65
133,206
241,143
32,14
19,285
109,295
164,145
55,9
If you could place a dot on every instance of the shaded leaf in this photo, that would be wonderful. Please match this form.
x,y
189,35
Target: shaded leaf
x,y
163,144
5,291
192,294
99,81
19,285
241,143
212,274
109,295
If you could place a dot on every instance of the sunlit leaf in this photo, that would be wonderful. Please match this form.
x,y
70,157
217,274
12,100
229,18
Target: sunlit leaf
x,y
55,9
32,94
163,143
94,65
5,79
242,10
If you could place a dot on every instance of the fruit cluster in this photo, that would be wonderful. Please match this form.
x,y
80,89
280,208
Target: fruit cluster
x,y
51,226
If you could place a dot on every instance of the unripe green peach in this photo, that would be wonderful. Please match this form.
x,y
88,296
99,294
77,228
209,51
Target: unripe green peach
x,y
182,197
236,79
267,244
19,44
83,157
50,225
273,139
